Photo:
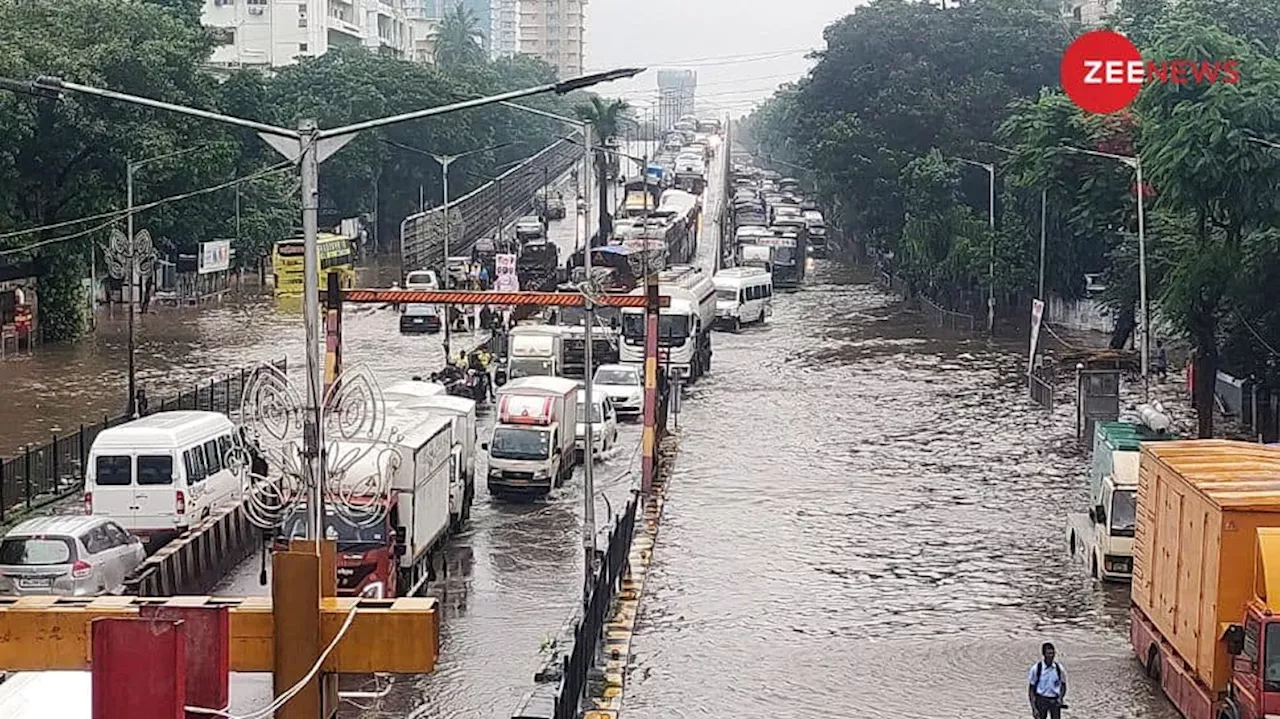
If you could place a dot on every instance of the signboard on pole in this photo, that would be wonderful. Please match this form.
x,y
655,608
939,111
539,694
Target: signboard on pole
x,y
1037,312
504,264
507,282
214,256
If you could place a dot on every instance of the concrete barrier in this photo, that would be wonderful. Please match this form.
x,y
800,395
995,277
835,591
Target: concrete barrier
x,y
195,562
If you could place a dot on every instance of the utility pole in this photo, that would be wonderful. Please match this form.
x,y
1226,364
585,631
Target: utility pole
x,y
991,247
132,273
588,474
1044,213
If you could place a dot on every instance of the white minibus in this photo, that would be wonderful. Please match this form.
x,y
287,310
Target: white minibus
x,y
743,295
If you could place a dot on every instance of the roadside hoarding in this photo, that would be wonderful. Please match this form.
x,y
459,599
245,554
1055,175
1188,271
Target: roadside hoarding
x,y
215,256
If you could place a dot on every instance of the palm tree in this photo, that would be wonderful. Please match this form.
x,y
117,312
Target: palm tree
x,y
606,118
459,39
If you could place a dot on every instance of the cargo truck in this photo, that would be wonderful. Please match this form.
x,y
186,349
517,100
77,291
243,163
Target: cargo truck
x,y
1206,554
462,412
532,446
390,556
1103,538
535,351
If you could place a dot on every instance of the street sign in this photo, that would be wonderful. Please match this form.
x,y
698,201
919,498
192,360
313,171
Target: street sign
x,y
1037,313
214,256
506,282
505,264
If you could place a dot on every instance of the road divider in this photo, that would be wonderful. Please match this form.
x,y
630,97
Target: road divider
x,y
196,561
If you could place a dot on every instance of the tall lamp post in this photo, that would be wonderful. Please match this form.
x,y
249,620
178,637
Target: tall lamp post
x,y
1135,163
137,250
445,162
991,255
588,472
309,145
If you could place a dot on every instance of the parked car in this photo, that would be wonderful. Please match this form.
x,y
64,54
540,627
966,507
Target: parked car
x,y
68,555
555,207
530,227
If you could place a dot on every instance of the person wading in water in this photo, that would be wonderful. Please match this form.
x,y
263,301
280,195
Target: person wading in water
x,y
1047,685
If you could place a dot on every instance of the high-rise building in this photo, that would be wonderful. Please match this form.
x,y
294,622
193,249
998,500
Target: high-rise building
x,y
504,30
272,33
676,90
554,30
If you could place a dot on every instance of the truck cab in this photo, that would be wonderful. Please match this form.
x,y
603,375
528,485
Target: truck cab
x,y
367,555
535,351
1103,537
1254,648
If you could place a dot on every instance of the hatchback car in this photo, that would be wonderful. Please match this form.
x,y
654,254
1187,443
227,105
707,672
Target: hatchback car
x,y
623,385
69,556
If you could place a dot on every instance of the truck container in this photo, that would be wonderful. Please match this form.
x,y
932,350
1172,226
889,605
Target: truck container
x,y
462,412
532,446
1206,553
390,555
1103,538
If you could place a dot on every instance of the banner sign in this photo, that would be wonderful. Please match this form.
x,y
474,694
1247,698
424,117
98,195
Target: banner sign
x,y
214,256
1037,312
505,264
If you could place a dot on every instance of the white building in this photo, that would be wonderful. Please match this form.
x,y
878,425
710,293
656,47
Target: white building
x,y
554,30
1090,12
277,32
504,28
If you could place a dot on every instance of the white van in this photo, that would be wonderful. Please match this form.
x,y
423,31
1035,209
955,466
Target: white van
x,y
743,295
160,474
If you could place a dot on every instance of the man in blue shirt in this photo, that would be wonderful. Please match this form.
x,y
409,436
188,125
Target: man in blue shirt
x,y
1047,685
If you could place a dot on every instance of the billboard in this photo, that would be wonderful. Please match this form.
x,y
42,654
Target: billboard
x,y
214,257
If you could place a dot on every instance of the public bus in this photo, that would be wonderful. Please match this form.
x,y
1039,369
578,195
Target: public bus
x,y
336,254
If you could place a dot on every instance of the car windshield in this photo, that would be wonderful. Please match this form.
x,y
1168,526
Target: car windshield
x,y
726,294
617,377
596,417
524,367
338,528
35,551
670,327
1123,513
520,443
784,255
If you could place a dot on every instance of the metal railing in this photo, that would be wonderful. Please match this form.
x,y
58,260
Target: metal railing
x,y
45,473
475,215
1040,382
944,317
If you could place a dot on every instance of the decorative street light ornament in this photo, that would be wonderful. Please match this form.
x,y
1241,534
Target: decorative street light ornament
x,y
121,252
359,456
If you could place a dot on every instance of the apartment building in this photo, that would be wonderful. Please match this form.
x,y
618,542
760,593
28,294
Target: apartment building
x,y
504,29
272,33
554,30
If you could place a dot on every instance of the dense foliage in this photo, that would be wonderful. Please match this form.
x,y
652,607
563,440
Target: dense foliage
x,y
65,159
906,92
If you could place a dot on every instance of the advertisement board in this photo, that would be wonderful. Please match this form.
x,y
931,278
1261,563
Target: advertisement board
x,y
214,256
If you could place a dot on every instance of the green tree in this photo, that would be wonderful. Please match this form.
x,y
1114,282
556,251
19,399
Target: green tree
x,y
459,39
606,118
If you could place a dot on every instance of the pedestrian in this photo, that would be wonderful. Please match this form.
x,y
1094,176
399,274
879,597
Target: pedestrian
x,y
1047,685
1161,364
484,277
140,403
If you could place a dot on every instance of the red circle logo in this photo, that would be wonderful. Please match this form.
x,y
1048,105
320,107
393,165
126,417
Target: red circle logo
x,y
1102,71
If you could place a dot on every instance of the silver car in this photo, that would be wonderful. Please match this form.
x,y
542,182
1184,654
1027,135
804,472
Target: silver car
x,y
68,555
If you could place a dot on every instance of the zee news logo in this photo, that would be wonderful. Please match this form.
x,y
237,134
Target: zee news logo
x,y
1102,71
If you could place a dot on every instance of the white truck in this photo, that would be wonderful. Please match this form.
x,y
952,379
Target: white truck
x,y
532,449
1103,538
535,351
462,412
684,327
391,555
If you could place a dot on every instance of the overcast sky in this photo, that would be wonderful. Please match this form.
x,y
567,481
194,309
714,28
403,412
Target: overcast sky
x,y
741,49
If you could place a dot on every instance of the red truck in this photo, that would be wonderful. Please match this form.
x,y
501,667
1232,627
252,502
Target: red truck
x,y
1206,567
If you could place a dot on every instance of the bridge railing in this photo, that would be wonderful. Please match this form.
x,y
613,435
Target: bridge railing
x,y
476,214
44,473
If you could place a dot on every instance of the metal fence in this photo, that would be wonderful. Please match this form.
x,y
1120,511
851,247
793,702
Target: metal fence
x,y
1041,382
944,317
476,214
44,473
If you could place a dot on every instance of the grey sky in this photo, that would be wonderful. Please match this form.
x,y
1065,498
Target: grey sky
x,y
741,49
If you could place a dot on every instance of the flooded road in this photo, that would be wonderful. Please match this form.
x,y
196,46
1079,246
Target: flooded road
x,y
867,520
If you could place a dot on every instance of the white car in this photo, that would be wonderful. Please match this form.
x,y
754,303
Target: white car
x,y
604,424
623,385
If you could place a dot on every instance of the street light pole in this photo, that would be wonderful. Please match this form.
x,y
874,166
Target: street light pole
x,y
132,273
1134,162
1044,216
445,161
991,247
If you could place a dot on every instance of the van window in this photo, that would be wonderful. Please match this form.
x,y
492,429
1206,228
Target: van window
x,y
193,461
212,458
113,471
155,469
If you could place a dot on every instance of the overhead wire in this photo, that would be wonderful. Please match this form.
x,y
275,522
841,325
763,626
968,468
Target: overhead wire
x,y
111,217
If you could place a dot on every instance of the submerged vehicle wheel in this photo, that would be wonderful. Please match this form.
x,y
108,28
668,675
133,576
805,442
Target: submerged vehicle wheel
x,y
1093,567
1153,663
1071,544
737,324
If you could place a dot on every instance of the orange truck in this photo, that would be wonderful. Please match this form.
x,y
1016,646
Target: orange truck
x,y
1205,559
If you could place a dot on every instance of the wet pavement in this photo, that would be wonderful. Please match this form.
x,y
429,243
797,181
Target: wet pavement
x,y
897,551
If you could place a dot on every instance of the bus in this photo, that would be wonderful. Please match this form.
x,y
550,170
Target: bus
x,y
337,254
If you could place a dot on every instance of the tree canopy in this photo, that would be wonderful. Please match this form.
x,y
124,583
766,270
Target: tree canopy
x,y
907,95
66,159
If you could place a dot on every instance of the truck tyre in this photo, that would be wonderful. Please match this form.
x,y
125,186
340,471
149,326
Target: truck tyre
x,y
468,498
1093,567
1071,544
1153,662
737,324
1228,710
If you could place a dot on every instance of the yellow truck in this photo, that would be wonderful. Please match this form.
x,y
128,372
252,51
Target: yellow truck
x,y
1206,566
